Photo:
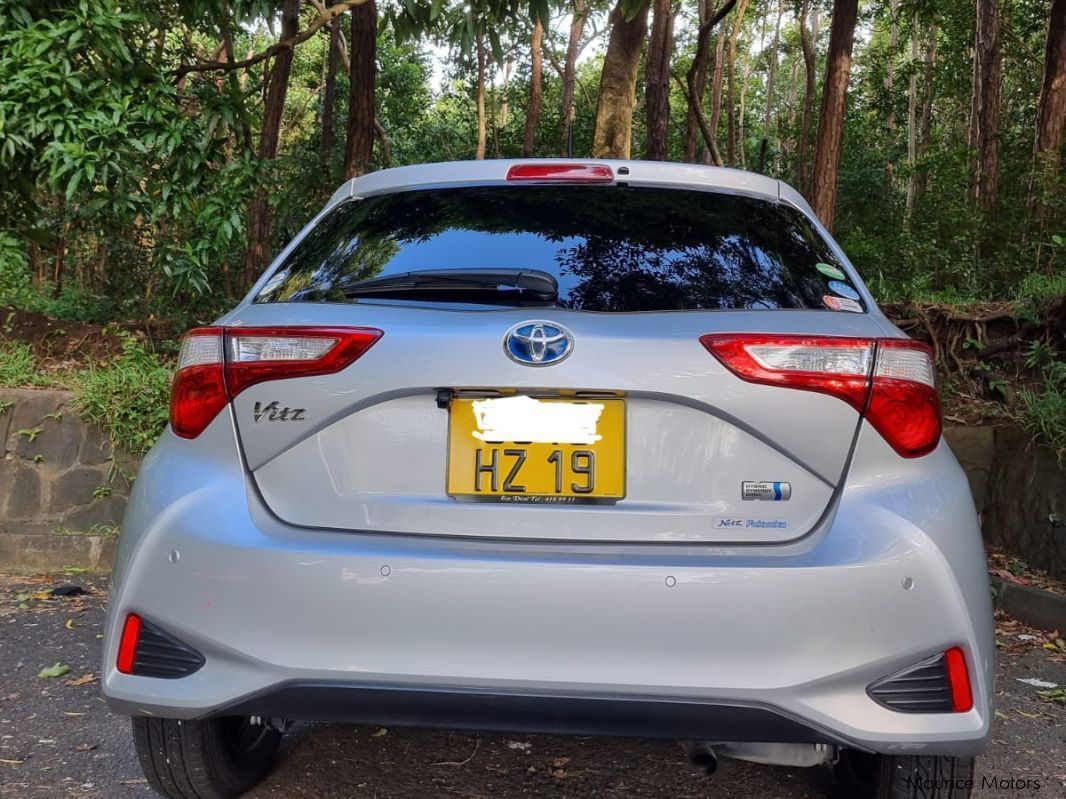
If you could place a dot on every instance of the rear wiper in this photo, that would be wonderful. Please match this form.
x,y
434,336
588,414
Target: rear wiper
x,y
532,283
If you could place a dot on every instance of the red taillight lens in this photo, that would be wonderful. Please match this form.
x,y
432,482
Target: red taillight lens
x,y
199,389
958,680
216,364
891,381
127,645
560,173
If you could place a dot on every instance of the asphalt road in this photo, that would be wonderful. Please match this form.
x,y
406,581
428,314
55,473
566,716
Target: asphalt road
x,y
58,740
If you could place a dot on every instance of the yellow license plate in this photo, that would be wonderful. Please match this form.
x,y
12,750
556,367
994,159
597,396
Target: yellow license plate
x,y
524,449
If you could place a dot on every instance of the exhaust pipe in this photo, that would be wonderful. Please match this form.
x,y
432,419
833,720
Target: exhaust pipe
x,y
701,755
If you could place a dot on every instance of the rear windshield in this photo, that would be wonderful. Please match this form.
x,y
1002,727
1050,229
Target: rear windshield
x,y
610,248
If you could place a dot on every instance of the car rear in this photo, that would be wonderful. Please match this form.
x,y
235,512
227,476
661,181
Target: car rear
x,y
601,448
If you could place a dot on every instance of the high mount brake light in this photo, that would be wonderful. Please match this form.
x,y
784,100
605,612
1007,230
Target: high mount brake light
x,y
216,364
560,173
890,381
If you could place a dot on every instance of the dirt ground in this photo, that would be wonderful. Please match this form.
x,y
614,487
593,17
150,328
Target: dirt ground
x,y
58,740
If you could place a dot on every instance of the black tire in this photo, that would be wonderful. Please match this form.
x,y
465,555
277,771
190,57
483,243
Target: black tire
x,y
865,776
214,759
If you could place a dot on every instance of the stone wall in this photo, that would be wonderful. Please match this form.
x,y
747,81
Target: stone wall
x,y
1020,492
62,488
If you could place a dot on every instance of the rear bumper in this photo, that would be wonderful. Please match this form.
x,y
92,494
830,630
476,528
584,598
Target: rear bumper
x,y
701,643
549,713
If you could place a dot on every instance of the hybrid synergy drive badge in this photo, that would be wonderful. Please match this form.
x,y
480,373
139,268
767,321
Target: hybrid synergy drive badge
x,y
765,490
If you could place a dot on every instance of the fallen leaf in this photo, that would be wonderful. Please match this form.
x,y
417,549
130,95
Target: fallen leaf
x,y
72,713
51,672
380,733
1036,682
12,762
84,679
1002,715
84,747
70,624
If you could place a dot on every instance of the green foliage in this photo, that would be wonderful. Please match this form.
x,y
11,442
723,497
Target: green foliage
x,y
1043,410
130,397
18,366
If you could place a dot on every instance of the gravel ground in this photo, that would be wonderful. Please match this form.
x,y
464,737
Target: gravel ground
x,y
58,740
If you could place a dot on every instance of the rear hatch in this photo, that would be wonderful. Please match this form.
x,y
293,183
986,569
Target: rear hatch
x,y
499,408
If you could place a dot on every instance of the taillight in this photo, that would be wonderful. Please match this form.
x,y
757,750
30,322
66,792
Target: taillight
x,y
216,364
891,381
560,173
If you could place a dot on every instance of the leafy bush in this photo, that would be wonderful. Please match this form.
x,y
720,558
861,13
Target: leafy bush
x,y
130,398
18,366
1043,411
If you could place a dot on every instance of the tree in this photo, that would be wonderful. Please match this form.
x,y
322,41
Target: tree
x,y
984,109
536,90
657,81
359,152
696,85
731,108
613,136
573,47
770,76
329,94
808,43
830,138
257,250
1051,109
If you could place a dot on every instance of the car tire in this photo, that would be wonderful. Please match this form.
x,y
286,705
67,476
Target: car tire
x,y
866,776
214,759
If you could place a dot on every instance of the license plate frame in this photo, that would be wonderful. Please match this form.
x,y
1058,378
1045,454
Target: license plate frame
x,y
537,472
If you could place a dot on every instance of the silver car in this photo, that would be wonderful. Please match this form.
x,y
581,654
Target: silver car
x,y
614,448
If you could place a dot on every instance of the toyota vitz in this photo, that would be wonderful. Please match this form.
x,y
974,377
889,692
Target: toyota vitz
x,y
612,448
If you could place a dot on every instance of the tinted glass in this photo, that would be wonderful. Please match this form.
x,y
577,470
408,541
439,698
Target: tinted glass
x,y
611,248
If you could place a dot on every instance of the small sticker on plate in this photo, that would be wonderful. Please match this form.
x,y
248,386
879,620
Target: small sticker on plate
x,y
830,271
841,304
843,289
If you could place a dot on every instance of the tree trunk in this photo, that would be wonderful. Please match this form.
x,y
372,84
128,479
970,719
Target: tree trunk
x,y
809,43
984,109
890,65
329,97
925,126
613,136
697,85
481,128
912,126
764,145
1051,110
716,82
831,122
787,142
257,252
505,103
657,77
536,91
731,108
573,45
363,64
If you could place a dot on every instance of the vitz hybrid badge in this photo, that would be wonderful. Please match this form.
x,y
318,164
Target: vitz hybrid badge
x,y
765,490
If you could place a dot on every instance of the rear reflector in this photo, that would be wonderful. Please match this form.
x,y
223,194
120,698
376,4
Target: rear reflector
x,y
560,173
891,381
959,680
216,364
127,645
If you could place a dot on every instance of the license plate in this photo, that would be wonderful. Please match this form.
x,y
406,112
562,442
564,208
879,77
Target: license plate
x,y
524,449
